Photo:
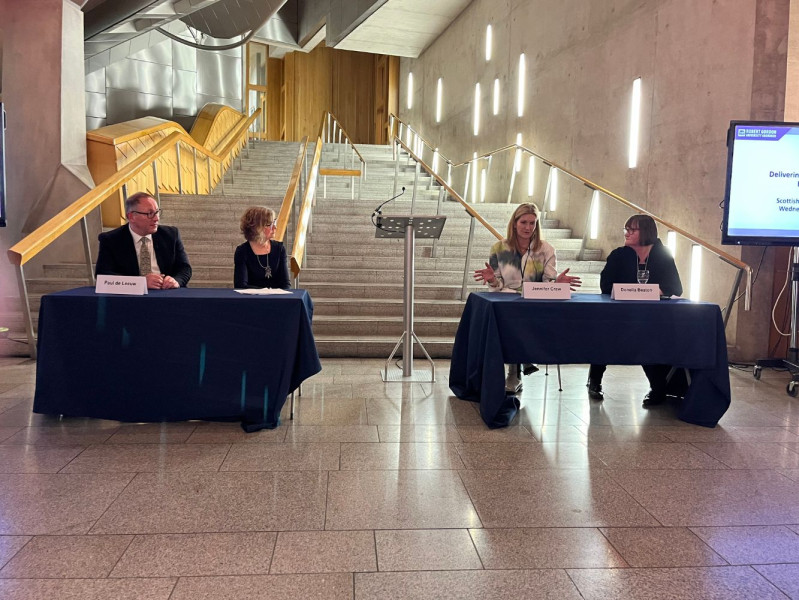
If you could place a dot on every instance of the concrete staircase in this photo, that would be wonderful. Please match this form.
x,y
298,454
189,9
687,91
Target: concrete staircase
x,y
355,280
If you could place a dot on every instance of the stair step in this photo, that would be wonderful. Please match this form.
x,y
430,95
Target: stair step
x,y
378,346
355,280
364,325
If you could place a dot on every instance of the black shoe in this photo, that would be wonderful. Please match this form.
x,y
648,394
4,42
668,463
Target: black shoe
x,y
595,391
653,399
529,369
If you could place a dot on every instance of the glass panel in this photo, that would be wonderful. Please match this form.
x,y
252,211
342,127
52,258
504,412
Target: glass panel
x,y
257,64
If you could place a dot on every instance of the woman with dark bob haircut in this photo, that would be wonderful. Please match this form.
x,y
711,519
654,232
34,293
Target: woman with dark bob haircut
x,y
260,262
642,251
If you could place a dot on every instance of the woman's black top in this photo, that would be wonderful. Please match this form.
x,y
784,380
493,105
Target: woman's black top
x,y
622,267
250,269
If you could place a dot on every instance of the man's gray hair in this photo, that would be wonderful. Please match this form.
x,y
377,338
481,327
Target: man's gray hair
x,y
131,202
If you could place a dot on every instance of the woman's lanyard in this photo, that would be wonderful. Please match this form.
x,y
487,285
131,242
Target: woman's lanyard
x,y
526,258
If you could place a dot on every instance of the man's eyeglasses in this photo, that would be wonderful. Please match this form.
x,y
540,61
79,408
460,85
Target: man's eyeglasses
x,y
627,230
150,215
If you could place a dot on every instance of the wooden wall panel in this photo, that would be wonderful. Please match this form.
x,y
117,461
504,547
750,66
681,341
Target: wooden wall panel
x,y
312,91
353,94
393,85
386,86
344,83
274,85
288,101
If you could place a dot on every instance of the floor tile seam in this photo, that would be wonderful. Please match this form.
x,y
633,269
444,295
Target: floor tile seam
x,y
85,448
12,434
704,542
326,501
272,555
471,499
224,459
768,579
6,563
112,502
110,574
786,527
794,449
609,474
44,578
474,545
54,427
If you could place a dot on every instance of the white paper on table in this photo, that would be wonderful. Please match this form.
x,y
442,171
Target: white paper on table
x,y
263,292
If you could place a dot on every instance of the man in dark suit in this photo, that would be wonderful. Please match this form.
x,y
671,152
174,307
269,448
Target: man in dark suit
x,y
143,248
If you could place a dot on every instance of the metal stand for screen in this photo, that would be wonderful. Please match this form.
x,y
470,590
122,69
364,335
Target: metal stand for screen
x,y
409,227
791,362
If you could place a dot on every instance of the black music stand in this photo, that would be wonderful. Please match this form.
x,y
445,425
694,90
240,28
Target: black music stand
x,y
409,227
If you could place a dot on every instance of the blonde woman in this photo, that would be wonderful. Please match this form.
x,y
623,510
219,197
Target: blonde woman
x,y
522,256
260,262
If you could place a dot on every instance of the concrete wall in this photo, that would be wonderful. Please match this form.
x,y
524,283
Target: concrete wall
x,y
46,136
702,64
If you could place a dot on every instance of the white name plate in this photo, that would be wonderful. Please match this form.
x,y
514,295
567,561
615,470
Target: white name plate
x,y
121,284
635,291
534,290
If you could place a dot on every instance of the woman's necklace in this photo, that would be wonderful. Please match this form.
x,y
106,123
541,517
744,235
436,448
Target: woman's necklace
x,y
638,261
267,269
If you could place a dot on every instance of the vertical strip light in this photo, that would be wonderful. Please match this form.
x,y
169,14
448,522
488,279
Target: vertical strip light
x,y
635,123
517,161
439,96
476,109
410,91
496,96
671,243
489,42
483,185
553,190
696,271
520,97
595,215
531,177
475,191
435,161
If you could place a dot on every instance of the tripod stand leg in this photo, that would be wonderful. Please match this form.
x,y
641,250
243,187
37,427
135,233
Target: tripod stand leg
x,y
391,356
430,360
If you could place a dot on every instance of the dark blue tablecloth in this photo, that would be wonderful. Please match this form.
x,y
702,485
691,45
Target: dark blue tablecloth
x,y
173,355
501,328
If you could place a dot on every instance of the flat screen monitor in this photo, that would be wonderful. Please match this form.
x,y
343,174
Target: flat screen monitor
x,y
761,202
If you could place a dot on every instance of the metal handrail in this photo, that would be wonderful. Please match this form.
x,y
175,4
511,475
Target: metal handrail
x,y
286,207
396,123
303,223
445,187
327,133
36,241
44,235
728,258
332,131
467,207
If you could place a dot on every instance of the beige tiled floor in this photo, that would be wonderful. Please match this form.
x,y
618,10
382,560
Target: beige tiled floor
x,y
399,491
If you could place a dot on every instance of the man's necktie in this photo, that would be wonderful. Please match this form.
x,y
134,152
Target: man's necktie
x,y
144,258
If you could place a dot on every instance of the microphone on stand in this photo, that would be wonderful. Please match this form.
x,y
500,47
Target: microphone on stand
x,y
377,211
